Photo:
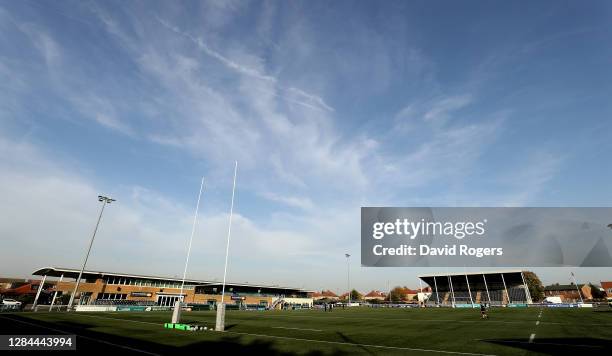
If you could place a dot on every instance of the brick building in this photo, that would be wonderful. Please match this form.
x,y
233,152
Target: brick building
x,y
98,287
569,292
607,287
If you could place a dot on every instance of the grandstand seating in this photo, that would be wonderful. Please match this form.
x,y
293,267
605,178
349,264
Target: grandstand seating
x,y
276,303
517,295
491,288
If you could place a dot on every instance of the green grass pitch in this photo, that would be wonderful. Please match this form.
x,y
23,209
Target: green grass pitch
x,y
367,331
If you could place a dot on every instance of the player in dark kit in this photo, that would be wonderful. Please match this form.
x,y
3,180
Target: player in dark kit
x,y
483,311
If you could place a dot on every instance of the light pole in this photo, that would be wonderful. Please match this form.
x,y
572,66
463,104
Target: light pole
x,y
104,200
348,276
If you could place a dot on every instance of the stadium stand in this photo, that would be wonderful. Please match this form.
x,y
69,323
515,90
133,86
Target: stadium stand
x,y
122,289
469,289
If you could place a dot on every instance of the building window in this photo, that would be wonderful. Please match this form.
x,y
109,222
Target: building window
x,y
112,296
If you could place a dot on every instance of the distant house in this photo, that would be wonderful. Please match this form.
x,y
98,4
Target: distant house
x,y
17,286
607,287
568,292
325,294
409,294
405,294
375,295
345,297
7,283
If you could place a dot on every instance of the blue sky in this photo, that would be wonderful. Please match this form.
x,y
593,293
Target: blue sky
x,y
326,106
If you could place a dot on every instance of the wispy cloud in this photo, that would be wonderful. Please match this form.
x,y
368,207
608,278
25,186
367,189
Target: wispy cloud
x,y
133,228
99,109
292,201
232,124
534,174
448,154
321,121
308,99
443,108
112,122
435,111
43,42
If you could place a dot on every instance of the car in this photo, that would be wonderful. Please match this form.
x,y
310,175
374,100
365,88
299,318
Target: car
x,y
11,302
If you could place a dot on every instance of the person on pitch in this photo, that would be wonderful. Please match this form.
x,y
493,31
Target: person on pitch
x,y
483,311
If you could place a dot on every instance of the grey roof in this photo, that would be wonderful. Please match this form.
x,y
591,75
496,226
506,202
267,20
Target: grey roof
x,y
469,273
73,273
563,287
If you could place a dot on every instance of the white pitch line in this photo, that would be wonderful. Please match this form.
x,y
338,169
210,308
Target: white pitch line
x,y
531,338
120,319
332,317
418,320
541,343
85,337
357,318
282,327
359,345
321,341
398,319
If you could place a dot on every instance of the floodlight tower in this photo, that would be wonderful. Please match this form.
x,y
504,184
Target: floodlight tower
x,y
104,200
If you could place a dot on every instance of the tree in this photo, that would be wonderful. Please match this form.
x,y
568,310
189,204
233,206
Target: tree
x,y
597,293
536,289
398,294
355,295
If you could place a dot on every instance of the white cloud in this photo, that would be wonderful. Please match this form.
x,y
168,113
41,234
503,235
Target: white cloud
x,y
112,122
534,173
442,108
220,100
292,201
253,127
44,43
435,111
297,95
48,213
217,14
